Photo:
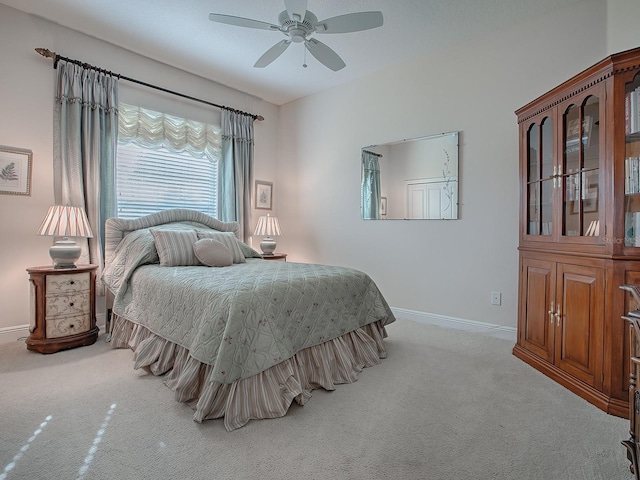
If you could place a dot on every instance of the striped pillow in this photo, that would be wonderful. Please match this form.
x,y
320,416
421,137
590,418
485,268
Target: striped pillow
x,y
175,247
228,239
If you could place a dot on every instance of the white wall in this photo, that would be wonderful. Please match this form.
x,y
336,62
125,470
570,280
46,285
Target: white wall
x,y
622,25
438,267
26,121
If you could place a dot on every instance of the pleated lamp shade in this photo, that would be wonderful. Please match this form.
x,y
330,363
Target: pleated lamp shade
x,y
267,227
65,221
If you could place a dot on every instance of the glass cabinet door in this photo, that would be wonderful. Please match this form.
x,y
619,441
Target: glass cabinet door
x,y
541,178
632,160
579,174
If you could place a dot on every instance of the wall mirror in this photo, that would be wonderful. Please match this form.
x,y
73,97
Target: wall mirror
x,y
413,179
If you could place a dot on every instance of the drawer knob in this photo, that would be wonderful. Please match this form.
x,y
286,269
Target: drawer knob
x,y
71,304
71,282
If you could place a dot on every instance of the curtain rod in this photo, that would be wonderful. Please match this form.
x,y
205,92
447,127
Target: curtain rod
x,y
49,54
372,153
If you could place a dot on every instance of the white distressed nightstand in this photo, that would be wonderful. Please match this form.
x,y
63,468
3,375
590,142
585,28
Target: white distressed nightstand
x,y
63,311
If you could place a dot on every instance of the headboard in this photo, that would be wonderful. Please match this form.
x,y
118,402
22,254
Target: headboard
x,y
117,228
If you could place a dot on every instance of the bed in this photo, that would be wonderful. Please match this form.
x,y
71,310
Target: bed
x,y
240,341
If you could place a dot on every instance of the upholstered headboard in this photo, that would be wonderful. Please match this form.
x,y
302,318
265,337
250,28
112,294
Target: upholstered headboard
x,y
117,228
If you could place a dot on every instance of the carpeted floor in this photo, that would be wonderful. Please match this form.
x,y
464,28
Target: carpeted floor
x,y
445,404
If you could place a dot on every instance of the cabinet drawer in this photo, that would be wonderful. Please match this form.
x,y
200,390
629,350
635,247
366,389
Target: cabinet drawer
x,y
64,326
73,304
68,283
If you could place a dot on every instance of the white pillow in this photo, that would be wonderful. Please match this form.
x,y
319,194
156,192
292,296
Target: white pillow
x,y
175,247
212,253
228,239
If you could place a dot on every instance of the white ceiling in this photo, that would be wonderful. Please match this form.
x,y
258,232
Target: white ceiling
x,y
179,33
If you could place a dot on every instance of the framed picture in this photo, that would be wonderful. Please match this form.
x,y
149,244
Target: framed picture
x,y
590,194
15,171
573,133
590,202
264,195
383,206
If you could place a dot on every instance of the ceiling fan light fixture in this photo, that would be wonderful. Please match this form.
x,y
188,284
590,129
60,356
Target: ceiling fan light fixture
x,y
297,35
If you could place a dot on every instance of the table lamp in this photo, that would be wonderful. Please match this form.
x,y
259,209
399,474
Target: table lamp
x,y
65,221
267,226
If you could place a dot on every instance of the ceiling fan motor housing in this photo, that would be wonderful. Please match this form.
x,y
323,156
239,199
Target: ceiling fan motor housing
x,y
298,30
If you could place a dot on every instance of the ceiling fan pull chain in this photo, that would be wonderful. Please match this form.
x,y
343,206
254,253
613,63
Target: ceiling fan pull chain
x,y
304,64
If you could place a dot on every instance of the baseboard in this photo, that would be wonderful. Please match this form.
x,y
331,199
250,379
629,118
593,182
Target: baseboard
x,y
14,334
21,332
490,329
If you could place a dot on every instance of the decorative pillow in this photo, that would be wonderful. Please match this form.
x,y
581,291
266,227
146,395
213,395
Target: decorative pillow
x,y
212,253
175,247
228,239
247,251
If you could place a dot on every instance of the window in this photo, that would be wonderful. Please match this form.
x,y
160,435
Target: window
x,y
165,162
148,181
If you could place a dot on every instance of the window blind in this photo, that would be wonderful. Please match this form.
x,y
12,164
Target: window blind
x,y
151,180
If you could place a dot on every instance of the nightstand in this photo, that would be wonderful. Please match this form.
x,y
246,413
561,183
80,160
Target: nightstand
x,y
63,308
276,256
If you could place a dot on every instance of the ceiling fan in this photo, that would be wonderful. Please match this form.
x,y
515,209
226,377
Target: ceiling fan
x,y
298,24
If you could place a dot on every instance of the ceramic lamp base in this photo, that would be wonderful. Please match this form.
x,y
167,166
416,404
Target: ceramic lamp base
x,y
65,253
268,246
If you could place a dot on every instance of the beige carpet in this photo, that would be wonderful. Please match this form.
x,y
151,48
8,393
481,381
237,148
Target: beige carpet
x,y
445,404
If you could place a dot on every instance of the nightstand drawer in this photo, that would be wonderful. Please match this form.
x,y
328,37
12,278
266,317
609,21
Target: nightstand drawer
x,y
68,283
72,304
64,326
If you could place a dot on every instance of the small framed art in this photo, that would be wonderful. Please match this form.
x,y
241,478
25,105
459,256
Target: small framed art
x,y
15,171
383,206
264,195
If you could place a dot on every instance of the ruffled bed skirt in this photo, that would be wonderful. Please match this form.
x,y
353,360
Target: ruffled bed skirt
x,y
265,395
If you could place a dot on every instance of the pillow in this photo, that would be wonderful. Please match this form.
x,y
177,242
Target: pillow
x,y
175,247
247,251
212,253
228,239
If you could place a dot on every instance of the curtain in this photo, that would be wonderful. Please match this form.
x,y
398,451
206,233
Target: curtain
x,y
370,187
236,170
84,148
149,129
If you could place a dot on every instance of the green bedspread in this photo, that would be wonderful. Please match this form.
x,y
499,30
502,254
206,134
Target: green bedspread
x,y
245,318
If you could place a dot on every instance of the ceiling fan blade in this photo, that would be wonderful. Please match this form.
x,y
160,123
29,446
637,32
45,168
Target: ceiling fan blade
x,y
242,22
351,22
273,53
296,9
325,55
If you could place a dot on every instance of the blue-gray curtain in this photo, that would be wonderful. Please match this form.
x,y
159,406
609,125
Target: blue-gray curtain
x,y
85,128
235,171
370,187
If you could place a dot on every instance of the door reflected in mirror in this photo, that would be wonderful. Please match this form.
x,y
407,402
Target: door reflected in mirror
x,y
413,179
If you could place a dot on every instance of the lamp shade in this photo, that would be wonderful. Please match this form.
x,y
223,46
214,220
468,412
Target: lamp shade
x,y
267,226
65,221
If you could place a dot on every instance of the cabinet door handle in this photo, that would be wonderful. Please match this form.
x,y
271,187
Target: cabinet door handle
x,y
558,315
550,312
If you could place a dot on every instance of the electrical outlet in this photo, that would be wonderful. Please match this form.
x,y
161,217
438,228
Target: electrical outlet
x,y
496,298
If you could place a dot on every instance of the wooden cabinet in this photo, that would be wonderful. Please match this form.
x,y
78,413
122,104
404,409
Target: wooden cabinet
x,y
579,237
62,308
562,308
